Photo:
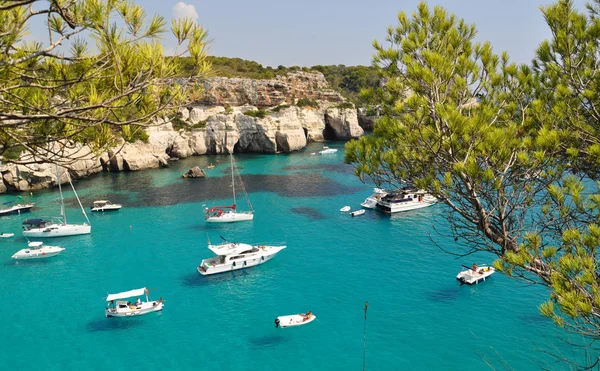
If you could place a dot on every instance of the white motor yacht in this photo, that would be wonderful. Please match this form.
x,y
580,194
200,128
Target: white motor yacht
x,y
327,150
16,209
405,200
36,250
234,255
105,205
371,201
124,308
475,274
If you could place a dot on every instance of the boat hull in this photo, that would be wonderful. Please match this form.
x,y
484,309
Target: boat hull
x,y
37,254
106,208
58,230
230,217
136,312
390,208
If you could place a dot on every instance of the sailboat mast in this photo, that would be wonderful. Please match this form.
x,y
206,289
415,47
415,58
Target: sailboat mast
x,y
232,178
62,201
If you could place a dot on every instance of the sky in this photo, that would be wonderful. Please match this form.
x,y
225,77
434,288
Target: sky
x,y
325,32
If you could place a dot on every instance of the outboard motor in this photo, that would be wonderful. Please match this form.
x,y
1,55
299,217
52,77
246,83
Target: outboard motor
x,y
276,322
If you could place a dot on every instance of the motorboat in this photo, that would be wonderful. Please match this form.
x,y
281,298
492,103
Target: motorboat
x,y
475,274
124,308
405,200
327,150
210,166
57,226
234,255
357,212
371,201
6,235
16,209
36,250
294,320
229,214
345,209
105,205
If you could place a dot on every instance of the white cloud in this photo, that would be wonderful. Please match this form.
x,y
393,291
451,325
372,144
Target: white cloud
x,y
183,10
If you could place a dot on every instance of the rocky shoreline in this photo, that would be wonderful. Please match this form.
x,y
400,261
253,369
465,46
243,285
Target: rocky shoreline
x,y
223,121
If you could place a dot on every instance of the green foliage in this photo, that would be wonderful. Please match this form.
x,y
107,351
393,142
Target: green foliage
x,y
280,107
345,105
499,143
228,110
304,102
83,94
260,113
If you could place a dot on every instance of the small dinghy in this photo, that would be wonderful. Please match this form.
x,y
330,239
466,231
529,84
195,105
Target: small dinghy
x,y
294,320
345,209
475,274
6,235
357,212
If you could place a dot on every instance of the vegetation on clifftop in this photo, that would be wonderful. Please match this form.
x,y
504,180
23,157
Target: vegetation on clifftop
x,y
347,80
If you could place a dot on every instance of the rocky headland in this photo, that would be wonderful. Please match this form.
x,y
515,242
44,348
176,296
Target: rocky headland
x,y
279,115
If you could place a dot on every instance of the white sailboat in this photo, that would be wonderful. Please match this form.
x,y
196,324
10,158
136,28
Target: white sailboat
x,y
57,226
229,214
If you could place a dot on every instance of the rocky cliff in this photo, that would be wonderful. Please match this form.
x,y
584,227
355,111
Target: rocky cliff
x,y
239,115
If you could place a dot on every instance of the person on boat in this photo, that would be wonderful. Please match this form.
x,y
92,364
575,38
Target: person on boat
x,y
307,316
474,268
138,301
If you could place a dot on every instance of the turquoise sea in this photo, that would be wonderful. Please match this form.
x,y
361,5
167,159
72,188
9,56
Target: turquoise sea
x,y
419,317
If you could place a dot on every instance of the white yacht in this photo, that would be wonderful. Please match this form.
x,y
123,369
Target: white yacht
x,y
327,150
35,250
229,214
475,274
371,201
105,205
405,200
16,209
124,308
57,226
233,256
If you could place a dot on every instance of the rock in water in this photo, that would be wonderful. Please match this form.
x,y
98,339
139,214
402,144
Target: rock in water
x,y
194,172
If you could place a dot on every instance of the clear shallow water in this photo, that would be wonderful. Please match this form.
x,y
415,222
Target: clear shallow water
x,y
419,317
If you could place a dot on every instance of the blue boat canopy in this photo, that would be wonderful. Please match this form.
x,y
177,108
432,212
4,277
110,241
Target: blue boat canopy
x,y
35,222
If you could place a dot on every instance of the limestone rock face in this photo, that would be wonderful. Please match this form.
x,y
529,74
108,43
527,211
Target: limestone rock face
x,y
194,172
343,122
254,137
223,91
365,122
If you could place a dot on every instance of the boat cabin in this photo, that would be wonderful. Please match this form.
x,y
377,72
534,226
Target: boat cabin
x,y
403,196
102,203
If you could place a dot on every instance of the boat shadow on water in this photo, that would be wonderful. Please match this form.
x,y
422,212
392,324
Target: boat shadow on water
x,y
267,341
196,279
443,295
114,324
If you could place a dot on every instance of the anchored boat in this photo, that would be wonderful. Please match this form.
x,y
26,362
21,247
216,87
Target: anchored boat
x,y
371,201
405,200
234,255
105,205
16,209
124,308
35,250
475,274
295,320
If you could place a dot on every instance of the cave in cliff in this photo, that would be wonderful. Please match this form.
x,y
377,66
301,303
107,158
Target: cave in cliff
x,y
328,132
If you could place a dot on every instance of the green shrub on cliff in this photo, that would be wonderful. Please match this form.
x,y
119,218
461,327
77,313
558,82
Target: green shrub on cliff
x,y
303,102
260,113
